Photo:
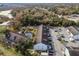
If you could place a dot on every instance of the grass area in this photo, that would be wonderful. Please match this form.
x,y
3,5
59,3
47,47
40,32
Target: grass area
x,y
2,29
7,51
4,50
11,51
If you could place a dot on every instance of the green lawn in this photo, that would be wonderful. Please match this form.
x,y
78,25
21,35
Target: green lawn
x,y
3,50
8,52
2,29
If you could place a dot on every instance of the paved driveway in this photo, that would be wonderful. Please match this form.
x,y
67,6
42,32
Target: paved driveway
x,y
58,46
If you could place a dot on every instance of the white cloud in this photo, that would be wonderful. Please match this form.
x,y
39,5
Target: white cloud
x,y
39,1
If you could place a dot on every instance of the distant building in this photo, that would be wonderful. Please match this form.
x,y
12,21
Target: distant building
x,y
73,17
75,32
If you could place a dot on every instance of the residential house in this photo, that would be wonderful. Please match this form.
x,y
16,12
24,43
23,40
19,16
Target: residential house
x,y
73,17
13,37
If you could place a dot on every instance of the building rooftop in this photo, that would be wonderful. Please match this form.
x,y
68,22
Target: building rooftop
x,y
74,51
73,30
39,35
42,36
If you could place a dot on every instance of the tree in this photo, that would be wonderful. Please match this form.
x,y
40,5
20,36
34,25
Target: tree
x,y
37,16
23,47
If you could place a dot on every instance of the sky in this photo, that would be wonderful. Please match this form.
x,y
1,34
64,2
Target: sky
x,y
39,1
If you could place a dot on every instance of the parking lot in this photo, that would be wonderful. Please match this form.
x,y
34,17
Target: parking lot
x,y
58,46
46,39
